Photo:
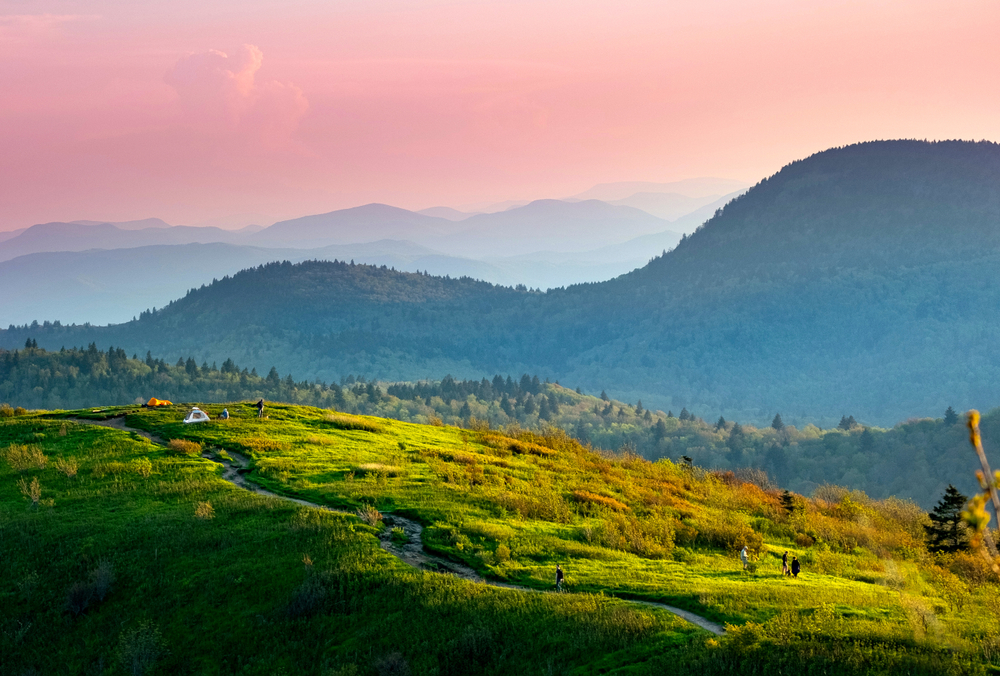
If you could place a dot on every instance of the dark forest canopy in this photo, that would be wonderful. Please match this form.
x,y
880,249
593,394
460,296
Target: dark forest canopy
x,y
916,459
858,279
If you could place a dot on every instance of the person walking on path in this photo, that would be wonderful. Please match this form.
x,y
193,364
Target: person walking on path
x,y
743,556
784,564
260,408
559,578
795,567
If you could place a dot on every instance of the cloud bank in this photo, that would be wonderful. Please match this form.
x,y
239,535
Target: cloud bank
x,y
218,93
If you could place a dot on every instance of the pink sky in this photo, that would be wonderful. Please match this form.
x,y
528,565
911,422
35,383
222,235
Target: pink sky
x,y
195,111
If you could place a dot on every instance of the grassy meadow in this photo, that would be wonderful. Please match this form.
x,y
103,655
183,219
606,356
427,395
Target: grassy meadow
x,y
122,556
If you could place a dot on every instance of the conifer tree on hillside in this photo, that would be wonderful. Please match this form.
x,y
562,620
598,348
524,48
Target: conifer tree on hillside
x,y
638,407
777,422
788,501
684,416
946,532
950,417
604,396
720,424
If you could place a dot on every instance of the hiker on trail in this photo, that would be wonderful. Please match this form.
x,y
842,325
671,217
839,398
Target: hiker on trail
x,y
559,578
225,414
795,567
784,564
743,556
260,408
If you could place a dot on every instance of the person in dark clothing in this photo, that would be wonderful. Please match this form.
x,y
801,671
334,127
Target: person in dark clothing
x,y
784,564
795,567
559,578
260,408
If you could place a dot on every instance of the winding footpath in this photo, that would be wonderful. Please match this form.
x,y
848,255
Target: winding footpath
x,y
411,552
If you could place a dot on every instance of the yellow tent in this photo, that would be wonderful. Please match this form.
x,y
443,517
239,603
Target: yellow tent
x,y
158,402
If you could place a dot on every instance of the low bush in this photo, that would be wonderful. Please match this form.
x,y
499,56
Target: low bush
x,y
586,497
67,466
184,446
369,515
352,422
23,457
204,511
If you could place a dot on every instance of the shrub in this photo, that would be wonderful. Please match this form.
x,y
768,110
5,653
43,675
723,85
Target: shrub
x,y
803,540
20,411
519,446
78,597
22,457
184,447
434,420
352,422
67,466
102,578
369,515
602,500
204,510
502,553
399,535
308,597
379,468
261,445
393,664
6,411
81,595
141,466
139,648
731,534
31,491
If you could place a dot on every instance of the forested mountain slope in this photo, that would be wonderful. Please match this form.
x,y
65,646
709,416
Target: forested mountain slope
x,y
852,281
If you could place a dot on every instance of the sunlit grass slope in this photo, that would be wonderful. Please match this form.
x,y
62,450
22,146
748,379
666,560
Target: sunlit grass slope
x,y
253,585
231,582
514,505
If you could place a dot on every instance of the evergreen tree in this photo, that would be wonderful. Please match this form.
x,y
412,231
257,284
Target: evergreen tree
x,y
844,424
851,422
505,406
684,416
788,501
604,396
950,417
720,424
777,422
638,407
660,430
946,532
670,414
466,412
647,416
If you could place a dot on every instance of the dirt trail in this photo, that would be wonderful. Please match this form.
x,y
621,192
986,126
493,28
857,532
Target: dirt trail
x,y
410,552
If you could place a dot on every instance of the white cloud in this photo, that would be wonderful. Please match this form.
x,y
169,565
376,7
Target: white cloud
x,y
219,92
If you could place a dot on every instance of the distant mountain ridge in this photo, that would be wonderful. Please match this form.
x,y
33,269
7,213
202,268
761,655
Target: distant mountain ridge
x,y
854,281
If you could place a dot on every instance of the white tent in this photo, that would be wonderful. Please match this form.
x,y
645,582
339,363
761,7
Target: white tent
x,y
196,415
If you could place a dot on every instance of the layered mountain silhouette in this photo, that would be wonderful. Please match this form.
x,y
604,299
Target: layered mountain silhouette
x,y
858,281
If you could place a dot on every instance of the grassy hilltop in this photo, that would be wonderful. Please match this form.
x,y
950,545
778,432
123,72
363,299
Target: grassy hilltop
x,y
117,549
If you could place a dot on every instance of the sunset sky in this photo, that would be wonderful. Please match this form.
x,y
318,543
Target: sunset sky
x,y
201,111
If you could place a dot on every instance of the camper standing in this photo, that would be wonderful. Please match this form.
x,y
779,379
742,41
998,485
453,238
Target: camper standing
x,y
743,557
559,578
260,408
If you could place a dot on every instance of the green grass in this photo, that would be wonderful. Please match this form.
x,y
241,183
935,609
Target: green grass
x,y
227,593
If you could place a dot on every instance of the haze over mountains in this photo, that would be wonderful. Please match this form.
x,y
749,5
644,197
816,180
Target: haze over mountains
x,y
856,281
119,269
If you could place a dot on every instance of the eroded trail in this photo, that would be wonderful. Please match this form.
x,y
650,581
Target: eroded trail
x,y
410,552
